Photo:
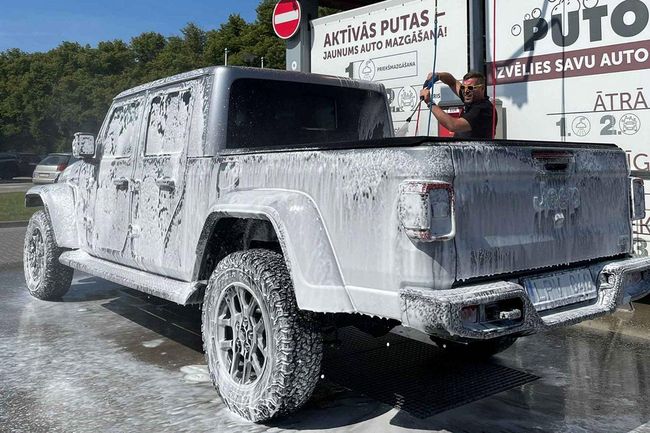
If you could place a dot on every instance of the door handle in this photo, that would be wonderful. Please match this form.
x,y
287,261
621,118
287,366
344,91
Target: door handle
x,y
121,183
166,183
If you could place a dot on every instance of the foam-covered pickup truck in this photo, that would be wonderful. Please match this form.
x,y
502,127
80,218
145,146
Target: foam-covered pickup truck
x,y
282,202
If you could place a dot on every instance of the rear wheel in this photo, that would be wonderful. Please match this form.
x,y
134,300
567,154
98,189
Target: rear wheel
x,y
46,278
475,349
263,353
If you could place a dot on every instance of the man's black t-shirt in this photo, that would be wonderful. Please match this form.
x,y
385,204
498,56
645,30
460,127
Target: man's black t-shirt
x,y
479,117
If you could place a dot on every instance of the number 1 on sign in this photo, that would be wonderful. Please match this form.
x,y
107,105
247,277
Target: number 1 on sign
x,y
562,124
350,70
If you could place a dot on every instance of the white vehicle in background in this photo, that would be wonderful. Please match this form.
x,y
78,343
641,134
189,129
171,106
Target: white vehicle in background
x,y
51,167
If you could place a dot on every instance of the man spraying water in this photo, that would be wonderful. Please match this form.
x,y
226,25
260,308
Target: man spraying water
x,y
476,120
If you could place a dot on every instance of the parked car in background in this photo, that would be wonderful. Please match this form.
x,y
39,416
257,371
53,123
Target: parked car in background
x,y
8,165
49,169
27,163
14,164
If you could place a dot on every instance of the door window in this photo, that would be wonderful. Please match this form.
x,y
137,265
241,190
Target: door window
x,y
122,130
167,129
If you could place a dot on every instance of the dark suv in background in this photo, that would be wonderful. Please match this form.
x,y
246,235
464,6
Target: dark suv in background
x,y
17,164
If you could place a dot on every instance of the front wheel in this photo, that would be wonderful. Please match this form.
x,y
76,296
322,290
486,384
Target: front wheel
x,y
263,353
46,278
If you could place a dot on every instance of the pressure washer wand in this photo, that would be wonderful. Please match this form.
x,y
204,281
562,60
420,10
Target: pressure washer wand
x,y
401,132
408,119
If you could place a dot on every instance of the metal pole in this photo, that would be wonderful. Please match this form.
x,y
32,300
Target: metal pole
x,y
477,36
262,62
225,56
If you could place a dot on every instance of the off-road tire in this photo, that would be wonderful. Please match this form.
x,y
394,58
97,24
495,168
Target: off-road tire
x,y
475,349
46,278
292,340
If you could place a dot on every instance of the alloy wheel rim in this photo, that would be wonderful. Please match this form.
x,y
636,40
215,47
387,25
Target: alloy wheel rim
x,y
241,338
36,256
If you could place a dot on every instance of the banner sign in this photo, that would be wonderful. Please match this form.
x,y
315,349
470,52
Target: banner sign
x,y
392,42
576,70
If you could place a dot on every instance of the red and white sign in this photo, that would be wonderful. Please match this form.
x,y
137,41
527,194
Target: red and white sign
x,y
286,18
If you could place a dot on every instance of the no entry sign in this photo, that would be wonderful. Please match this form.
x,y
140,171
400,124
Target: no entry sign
x,y
286,18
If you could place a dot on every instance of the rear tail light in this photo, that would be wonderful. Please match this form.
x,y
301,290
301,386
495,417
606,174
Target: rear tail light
x,y
61,167
469,314
638,198
426,210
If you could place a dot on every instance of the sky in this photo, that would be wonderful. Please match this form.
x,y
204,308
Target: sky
x,y
38,25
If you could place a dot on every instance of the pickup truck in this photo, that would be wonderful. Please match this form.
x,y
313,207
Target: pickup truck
x,y
282,202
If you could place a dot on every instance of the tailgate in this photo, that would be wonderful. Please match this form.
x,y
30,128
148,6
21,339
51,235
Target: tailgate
x,y
521,208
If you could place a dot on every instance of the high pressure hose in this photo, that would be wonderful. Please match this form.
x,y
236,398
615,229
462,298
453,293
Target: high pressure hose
x,y
494,69
417,121
435,53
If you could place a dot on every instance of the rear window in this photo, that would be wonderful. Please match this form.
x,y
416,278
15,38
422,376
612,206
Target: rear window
x,y
267,113
55,160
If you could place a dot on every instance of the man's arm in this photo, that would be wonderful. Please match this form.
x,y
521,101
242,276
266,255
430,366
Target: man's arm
x,y
453,124
446,78
449,80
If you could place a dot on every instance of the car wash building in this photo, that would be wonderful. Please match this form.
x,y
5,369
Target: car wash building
x,y
560,70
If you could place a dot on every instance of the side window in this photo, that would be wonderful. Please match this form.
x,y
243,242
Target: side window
x,y
122,130
167,128
201,89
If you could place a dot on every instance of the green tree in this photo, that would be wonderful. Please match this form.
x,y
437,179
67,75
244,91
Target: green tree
x,y
147,46
46,97
229,35
263,41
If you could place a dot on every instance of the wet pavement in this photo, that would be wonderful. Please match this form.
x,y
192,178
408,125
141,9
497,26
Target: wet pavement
x,y
110,359
11,252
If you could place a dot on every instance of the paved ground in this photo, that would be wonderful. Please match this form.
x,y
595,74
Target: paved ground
x,y
107,358
15,185
11,252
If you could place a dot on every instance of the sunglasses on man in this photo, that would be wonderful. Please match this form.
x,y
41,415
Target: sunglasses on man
x,y
469,88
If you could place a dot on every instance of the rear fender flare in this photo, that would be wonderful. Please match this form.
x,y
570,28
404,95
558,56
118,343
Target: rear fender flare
x,y
303,237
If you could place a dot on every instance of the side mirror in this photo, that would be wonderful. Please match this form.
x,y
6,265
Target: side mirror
x,y
83,145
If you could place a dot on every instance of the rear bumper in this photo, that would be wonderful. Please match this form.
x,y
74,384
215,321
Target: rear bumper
x,y
438,312
45,177
43,181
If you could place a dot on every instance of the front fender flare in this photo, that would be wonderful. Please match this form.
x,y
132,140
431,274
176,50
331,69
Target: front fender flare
x,y
304,239
58,200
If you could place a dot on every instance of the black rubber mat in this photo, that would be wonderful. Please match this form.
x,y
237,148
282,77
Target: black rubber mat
x,y
414,376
